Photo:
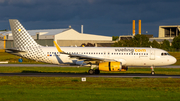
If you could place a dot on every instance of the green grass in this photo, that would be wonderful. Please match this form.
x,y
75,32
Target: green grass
x,y
17,88
94,89
73,70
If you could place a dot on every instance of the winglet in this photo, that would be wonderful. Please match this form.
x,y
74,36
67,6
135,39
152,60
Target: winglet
x,y
58,48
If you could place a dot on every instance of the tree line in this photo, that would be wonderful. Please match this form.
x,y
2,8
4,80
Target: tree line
x,y
143,41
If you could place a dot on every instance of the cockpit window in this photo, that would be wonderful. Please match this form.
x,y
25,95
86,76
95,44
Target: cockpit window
x,y
164,54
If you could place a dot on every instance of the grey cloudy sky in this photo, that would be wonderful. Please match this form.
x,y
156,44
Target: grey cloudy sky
x,y
102,17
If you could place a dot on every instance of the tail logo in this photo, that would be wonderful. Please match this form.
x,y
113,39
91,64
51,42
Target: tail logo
x,y
19,30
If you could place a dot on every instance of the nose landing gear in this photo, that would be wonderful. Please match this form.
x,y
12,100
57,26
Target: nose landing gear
x,y
152,70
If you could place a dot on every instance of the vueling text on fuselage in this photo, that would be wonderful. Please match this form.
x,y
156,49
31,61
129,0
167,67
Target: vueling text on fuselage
x,y
130,50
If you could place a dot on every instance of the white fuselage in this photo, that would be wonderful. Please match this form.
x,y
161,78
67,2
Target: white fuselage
x,y
128,56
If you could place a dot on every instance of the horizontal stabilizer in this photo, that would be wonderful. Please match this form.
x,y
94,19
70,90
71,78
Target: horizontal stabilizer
x,y
15,51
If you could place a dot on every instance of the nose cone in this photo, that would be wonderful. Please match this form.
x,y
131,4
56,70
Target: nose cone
x,y
173,60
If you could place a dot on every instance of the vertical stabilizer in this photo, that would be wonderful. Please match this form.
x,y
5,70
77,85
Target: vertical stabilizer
x,y
24,42
20,36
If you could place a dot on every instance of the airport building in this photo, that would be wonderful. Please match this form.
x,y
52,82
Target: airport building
x,y
63,37
167,32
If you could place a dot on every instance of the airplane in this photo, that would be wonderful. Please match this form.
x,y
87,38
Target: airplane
x,y
99,58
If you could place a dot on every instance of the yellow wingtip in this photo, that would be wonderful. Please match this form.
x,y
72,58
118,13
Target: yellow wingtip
x,y
58,48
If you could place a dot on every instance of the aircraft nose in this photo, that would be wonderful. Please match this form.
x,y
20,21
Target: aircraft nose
x,y
173,60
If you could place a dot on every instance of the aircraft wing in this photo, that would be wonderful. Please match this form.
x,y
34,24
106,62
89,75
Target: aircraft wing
x,y
82,57
88,58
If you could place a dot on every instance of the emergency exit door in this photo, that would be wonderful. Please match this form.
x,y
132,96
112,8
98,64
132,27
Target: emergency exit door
x,y
152,55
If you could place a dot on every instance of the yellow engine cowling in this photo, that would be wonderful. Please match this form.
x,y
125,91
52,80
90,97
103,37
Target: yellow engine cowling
x,y
111,66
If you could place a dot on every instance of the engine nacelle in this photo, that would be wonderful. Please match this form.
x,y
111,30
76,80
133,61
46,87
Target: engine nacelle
x,y
112,66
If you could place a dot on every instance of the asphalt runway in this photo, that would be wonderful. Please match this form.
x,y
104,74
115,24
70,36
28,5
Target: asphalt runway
x,y
87,75
116,75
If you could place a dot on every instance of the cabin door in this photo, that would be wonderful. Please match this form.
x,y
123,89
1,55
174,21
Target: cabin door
x,y
152,54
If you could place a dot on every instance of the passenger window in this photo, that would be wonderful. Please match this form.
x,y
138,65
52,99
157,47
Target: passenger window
x,y
135,53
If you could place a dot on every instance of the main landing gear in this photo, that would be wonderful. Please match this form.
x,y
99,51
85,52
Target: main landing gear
x,y
92,71
152,70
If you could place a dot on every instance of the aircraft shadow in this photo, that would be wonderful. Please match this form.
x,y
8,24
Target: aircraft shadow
x,y
86,73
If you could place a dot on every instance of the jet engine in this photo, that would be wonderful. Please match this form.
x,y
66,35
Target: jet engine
x,y
112,66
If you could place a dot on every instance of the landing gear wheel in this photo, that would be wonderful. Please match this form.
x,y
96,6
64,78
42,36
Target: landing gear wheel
x,y
91,71
152,73
97,71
